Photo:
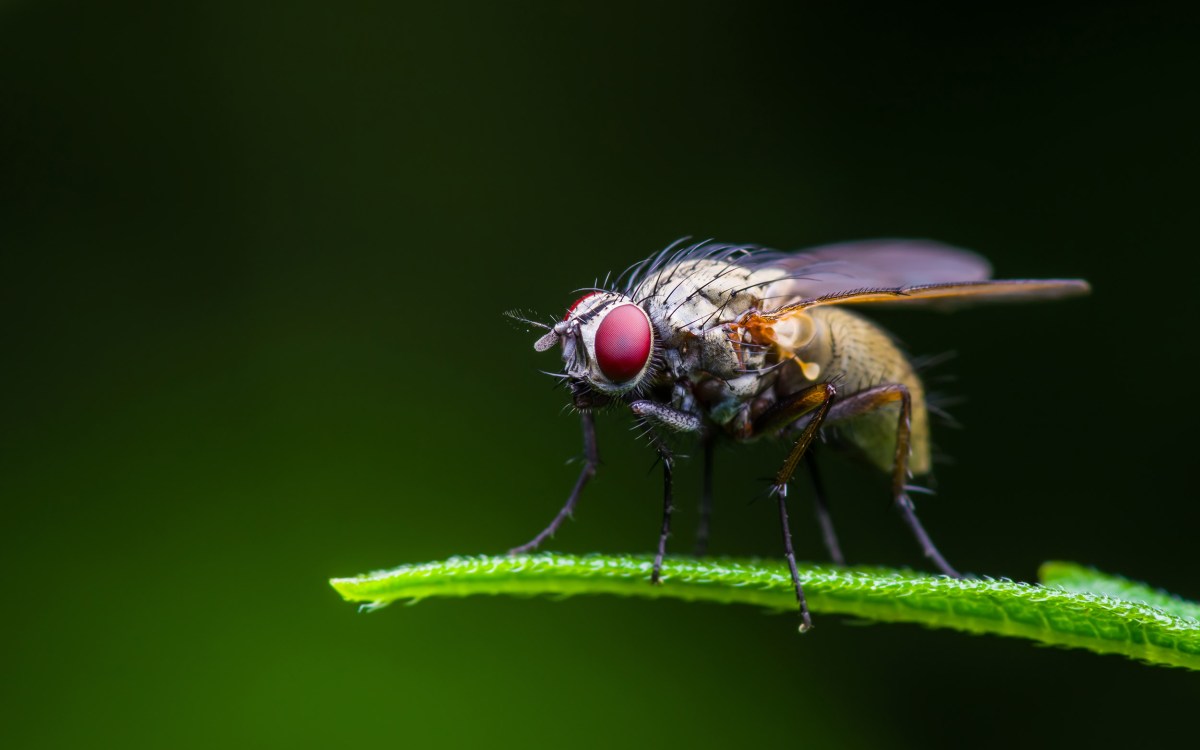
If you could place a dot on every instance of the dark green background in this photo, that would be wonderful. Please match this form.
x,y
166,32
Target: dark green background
x,y
255,257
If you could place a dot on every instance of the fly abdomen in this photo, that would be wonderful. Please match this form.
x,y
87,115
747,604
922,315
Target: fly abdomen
x,y
855,355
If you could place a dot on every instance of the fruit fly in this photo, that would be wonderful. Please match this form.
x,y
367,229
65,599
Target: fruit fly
x,y
745,343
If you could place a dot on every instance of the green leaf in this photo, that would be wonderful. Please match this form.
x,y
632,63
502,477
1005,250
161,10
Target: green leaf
x,y
1085,580
1076,607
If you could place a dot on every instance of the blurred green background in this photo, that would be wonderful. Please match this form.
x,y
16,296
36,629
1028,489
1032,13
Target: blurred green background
x,y
255,257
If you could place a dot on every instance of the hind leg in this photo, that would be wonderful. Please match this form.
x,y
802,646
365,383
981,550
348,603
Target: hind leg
x,y
876,398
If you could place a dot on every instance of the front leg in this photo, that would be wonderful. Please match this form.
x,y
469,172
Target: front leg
x,y
591,461
664,417
706,497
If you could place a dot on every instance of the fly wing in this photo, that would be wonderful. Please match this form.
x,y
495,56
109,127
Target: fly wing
x,y
957,295
945,296
910,272
872,264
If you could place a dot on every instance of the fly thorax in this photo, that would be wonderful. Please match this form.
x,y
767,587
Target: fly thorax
x,y
697,295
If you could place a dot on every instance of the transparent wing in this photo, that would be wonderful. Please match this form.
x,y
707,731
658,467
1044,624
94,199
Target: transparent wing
x,y
898,272
871,264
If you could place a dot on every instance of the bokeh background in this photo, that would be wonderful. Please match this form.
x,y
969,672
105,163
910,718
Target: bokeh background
x,y
255,259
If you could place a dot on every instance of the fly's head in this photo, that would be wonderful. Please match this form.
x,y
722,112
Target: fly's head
x,y
608,346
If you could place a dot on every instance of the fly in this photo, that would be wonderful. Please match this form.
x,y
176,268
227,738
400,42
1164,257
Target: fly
x,y
745,343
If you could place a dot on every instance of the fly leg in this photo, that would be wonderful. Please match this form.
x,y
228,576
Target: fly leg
x,y
668,463
875,398
706,493
591,461
655,415
823,518
815,400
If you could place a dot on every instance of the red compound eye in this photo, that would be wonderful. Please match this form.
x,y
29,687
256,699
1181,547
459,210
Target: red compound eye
x,y
577,303
623,342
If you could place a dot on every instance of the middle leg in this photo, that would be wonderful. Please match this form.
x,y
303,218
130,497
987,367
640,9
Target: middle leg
x,y
824,520
657,416
815,401
667,459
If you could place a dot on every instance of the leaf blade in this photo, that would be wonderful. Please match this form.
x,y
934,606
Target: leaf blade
x,y
1052,615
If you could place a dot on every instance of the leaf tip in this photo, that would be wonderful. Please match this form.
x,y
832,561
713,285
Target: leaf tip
x,y
344,587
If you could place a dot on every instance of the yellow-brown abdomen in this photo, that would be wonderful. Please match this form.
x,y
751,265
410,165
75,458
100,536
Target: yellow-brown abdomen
x,y
855,354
